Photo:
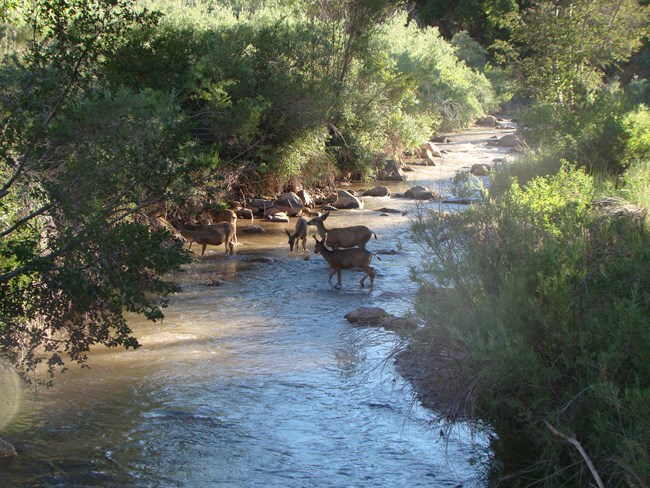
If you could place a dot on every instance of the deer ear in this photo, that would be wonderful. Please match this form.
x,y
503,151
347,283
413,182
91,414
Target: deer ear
x,y
324,216
288,233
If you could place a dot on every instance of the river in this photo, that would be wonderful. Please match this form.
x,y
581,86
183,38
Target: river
x,y
259,381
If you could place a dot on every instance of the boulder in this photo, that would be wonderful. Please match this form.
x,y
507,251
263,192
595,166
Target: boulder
x,y
429,158
244,213
289,199
429,150
480,169
306,198
277,217
510,140
345,199
487,121
420,193
376,316
391,172
378,191
251,229
367,316
259,204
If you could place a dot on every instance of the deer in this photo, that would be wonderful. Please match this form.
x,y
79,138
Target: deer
x,y
300,234
357,235
213,234
222,215
346,259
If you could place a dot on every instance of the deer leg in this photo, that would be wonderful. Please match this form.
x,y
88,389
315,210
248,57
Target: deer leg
x,y
338,275
331,274
370,273
203,250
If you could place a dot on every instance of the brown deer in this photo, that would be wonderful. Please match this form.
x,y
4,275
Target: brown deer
x,y
357,235
213,234
300,234
222,215
346,259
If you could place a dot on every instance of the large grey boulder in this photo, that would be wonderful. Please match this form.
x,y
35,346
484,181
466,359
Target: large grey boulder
x,y
345,199
420,193
510,140
480,169
378,191
289,199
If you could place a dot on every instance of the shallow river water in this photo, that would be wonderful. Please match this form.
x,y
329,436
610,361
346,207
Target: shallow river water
x,y
259,381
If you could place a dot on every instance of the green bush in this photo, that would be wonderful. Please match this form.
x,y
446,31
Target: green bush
x,y
544,316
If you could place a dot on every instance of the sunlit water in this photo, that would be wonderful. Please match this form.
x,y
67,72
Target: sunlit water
x,y
257,382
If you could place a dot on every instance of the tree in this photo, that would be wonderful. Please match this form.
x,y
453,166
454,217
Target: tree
x,y
565,47
485,20
78,164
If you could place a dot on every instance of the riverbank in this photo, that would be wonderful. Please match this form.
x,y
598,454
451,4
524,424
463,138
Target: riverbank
x,y
433,374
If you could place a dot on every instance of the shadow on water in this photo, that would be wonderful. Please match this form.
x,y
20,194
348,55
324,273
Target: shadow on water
x,y
257,380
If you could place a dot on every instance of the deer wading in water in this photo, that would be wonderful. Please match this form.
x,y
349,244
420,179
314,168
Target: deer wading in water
x,y
213,234
300,235
346,259
357,235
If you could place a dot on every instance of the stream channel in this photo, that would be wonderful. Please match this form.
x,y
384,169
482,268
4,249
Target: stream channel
x,y
259,381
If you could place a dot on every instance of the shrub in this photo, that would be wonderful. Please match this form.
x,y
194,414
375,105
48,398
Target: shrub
x,y
544,319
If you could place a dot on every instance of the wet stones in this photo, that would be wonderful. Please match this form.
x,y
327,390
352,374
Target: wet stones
x,y
376,316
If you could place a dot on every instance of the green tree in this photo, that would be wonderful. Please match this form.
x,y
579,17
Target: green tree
x,y
78,164
567,46
485,20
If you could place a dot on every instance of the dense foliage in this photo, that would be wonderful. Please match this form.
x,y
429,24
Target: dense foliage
x,y
544,314
77,162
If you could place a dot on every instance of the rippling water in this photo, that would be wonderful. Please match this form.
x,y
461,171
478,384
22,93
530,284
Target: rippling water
x,y
257,382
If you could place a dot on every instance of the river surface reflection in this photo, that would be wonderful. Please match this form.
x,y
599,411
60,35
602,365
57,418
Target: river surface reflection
x,y
259,381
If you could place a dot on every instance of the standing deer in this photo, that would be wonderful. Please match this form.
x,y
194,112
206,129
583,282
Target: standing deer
x,y
299,235
346,259
222,215
213,234
357,235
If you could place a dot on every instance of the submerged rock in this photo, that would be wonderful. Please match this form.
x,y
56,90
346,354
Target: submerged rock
x,y
6,449
378,191
421,193
376,316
